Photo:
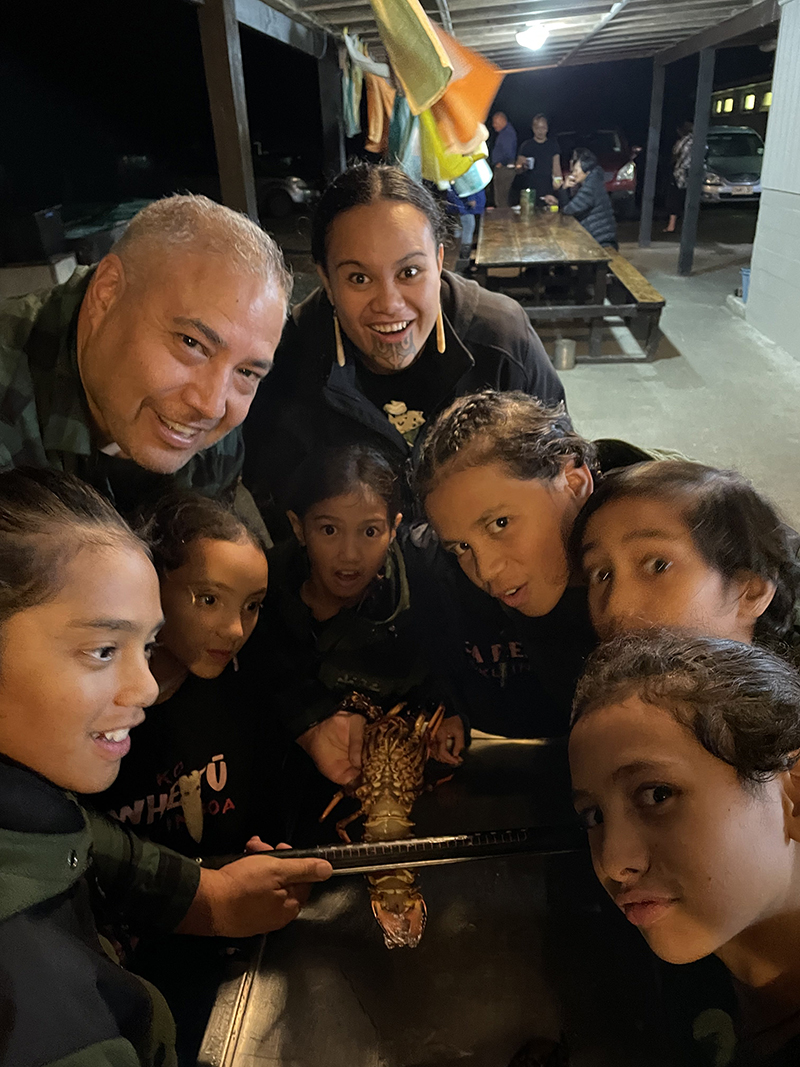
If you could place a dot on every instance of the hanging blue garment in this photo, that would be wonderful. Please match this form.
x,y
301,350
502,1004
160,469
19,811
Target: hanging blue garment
x,y
352,84
399,128
404,139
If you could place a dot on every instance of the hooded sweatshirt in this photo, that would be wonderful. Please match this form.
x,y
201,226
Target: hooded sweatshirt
x,y
63,999
309,402
511,674
374,648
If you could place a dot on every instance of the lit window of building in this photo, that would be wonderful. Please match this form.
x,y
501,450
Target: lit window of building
x,y
767,101
750,102
718,107
728,104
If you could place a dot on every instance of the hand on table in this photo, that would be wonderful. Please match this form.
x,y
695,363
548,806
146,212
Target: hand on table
x,y
253,895
549,199
448,742
335,746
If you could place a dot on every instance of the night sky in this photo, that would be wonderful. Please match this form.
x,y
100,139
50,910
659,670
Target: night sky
x,y
88,82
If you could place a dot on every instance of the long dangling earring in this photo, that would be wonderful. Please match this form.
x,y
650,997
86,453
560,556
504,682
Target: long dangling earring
x,y
339,345
440,344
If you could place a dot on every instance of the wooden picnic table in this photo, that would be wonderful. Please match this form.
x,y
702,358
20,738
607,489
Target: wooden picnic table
x,y
546,239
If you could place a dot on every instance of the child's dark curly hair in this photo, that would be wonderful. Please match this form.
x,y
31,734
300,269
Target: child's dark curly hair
x,y
181,518
514,429
741,702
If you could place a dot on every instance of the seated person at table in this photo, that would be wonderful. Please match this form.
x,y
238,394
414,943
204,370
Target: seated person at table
x,y
502,478
389,338
198,775
683,545
338,616
79,611
584,197
683,755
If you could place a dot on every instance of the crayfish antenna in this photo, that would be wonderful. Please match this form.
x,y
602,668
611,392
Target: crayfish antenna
x,y
436,721
334,801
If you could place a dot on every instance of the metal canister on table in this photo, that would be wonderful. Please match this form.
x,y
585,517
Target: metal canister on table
x,y
526,203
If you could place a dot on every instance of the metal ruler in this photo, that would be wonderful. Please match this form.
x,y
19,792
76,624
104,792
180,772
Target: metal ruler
x,y
374,856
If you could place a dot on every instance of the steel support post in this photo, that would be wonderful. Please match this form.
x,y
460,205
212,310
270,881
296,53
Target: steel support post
x,y
331,111
651,158
694,184
222,58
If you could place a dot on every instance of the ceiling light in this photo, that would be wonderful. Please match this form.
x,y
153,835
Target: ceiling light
x,y
533,36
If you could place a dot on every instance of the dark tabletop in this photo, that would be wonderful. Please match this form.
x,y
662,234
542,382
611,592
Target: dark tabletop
x,y
515,949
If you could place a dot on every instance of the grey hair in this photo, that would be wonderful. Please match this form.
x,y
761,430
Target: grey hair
x,y
196,223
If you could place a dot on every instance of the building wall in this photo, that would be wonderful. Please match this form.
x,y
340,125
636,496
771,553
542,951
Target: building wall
x,y
774,298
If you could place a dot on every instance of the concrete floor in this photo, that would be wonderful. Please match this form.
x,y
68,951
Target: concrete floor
x,y
717,390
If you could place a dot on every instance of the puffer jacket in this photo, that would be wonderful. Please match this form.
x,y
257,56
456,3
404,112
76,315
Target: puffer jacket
x,y
374,648
591,206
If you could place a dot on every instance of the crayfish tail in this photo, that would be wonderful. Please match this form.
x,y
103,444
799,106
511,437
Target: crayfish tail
x,y
398,906
402,929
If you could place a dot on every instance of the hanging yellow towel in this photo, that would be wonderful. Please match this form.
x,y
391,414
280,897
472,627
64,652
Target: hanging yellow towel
x,y
415,52
462,110
438,165
380,104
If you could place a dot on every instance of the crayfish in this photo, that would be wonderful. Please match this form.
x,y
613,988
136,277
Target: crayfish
x,y
394,753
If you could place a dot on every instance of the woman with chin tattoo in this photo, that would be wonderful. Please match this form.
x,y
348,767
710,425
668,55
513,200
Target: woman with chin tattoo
x,y
389,338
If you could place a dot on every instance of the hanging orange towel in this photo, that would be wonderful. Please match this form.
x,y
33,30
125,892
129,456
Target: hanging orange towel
x,y
380,104
416,55
462,110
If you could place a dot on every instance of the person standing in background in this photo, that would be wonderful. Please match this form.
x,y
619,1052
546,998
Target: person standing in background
x,y
681,158
503,157
538,162
468,208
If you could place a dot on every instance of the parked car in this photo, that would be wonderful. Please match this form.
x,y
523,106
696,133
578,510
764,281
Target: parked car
x,y
283,183
615,156
734,155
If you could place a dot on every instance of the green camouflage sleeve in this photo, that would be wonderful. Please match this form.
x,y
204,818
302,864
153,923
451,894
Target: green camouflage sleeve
x,y
150,885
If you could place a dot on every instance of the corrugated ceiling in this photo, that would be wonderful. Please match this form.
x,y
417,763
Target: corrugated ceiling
x,y
578,33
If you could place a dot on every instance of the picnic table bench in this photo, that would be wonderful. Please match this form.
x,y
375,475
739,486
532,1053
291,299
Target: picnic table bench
x,y
544,240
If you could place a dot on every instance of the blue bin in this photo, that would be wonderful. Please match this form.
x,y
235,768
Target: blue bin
x,y
745,283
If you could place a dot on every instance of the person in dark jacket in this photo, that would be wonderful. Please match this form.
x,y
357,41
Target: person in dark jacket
x,y
503,157
503,479
388,340
199,772
584,196
79,610
338,616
